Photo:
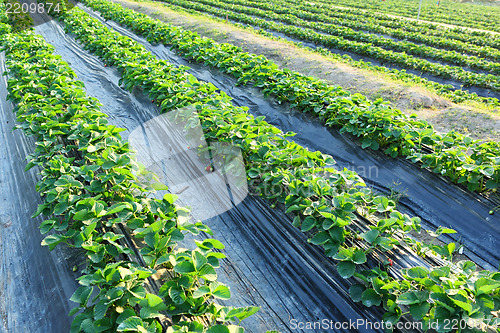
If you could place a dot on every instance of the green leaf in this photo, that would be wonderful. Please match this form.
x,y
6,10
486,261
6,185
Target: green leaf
x,y
346,269
29,166
83,215
155,302
184,267
170,197
292,208
218,329
60,208
370,298
446,231
235,329
159,186
46,226
359,257
344,254
108,165
356,290
213,243
149,313
408,298
263,151
81,295
242,313
297,221
337,234
371,235
89,229
366,143
308,223
39,210
253,173
88,326
327,224
116,208
192,79
202,291
320,238
207,272
52,241
100,310
199,260
222,292
462,302
485,286
418,311
467,266
127,313
378,285
177,295
417,272
491,184
132,324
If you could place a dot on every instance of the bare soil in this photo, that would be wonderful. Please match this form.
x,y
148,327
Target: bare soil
x,y
440,112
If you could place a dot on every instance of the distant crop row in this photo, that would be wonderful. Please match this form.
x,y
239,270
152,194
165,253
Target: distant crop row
x,y
373,19
450,12
338,29
16,19
359,47
445,90
325,201
343,26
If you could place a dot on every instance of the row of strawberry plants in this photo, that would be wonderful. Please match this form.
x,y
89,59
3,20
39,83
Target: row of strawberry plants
x,y
376,124
445,71
89,185
450,12
361,27
290,17
445,90
326,202
454,32
382,20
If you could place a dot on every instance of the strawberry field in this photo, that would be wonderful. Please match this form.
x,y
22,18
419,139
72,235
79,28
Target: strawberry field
x,y
159,181
457,56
